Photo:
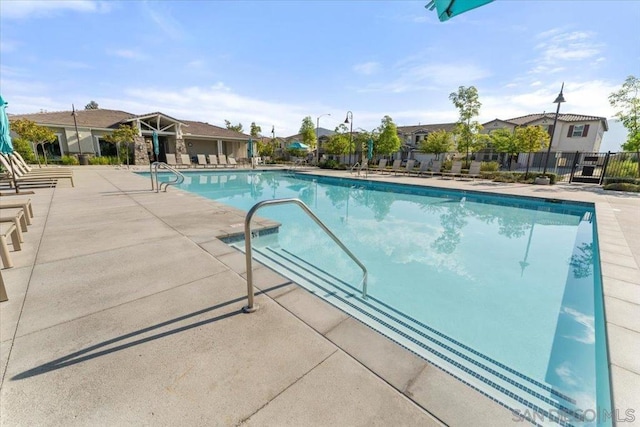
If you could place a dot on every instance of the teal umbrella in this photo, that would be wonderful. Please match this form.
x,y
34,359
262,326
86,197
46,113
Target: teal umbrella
x,y
6,146
369,148
250,148
447,9
156,144
297,145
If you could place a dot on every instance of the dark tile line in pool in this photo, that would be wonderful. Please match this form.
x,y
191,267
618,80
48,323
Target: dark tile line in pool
x,y
440,355
528,202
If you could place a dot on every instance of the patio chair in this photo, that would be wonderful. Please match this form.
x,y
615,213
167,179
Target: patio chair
x,y
202,160
382,164
474,171
8,230
25,205
424,167
232,162
395,166
186,160
213,160
23,167
17,217
14,166
408,168
456,170
32,180
222,160
434,169
171,160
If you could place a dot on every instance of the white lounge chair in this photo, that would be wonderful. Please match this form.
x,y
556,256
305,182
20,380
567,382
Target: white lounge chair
x,y
408,167
474,171
186,160
202,160
31,179
395,166
456,170
171,160
232,162
222,160
382,164
213,160
433,169
8,230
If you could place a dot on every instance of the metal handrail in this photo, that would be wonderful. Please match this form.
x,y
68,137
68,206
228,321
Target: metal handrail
x,y
250,307
154,172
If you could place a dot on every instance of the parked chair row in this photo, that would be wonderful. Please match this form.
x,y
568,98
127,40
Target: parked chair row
x,y
220,160
15,217
18,171
428,169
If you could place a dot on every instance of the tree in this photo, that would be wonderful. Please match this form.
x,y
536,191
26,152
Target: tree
x,y
236,128
255,130
531,139
34,133
627,103
308,132
266,149
339,142
361,139
123,135
388,141
468,130
504,141
437,142
93,105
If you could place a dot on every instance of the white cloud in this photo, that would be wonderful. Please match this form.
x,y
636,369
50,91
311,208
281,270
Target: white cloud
x,y
31,8
367,68
566,374
588,322
557,46
128,54
7,46
429,76
165,22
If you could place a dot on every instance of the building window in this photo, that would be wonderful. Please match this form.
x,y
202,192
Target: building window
x,y
578,131
51,149
107,149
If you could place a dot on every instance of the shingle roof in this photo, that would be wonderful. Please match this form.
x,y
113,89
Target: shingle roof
x,y
427,128
111,119
86,118
523,120
205,129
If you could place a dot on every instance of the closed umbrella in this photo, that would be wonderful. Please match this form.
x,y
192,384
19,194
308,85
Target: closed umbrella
x,y
156,144
369,149
250,152
6,146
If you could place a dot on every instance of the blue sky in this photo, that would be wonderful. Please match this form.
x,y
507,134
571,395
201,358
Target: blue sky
x,y
276,62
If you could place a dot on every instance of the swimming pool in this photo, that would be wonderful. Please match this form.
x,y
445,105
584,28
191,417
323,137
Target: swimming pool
x,y
502,292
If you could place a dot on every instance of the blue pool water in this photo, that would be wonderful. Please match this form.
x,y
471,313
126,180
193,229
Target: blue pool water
x,y
502,292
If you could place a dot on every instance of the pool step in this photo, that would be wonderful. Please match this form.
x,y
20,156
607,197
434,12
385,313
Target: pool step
x,y
468,365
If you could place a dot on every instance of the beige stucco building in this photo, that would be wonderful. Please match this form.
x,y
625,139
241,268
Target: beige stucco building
x,y
174,135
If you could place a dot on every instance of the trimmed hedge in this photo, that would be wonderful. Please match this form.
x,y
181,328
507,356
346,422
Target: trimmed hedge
x,y
621,180
623,186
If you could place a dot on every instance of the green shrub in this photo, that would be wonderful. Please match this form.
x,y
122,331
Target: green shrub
x,y
624,168
23,147
331,164
446,165
101,160
623,186
623,180
69,160
552,176
489,167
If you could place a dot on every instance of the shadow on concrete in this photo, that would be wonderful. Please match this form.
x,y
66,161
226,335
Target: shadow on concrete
x,y
82,355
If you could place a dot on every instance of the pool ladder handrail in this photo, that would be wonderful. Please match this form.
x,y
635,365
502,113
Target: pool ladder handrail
x,y
251,307
154,174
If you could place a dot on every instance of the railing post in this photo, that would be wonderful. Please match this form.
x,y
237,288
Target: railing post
x,y
250,307
604,168
573,166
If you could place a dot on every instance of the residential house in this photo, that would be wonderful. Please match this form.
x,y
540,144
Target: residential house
x,y
573,133
174,135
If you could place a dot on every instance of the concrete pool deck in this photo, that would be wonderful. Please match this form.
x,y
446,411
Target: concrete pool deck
x,y
125,308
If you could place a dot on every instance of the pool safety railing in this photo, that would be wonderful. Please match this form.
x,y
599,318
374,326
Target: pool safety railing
x,y
179,178
251,307
360,167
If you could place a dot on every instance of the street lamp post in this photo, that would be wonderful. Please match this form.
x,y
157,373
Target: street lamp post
x,y
318,136
349,120
559,100
75,123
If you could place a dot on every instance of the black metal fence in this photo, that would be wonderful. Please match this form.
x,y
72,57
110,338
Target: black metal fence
x,y
583,167
568,166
